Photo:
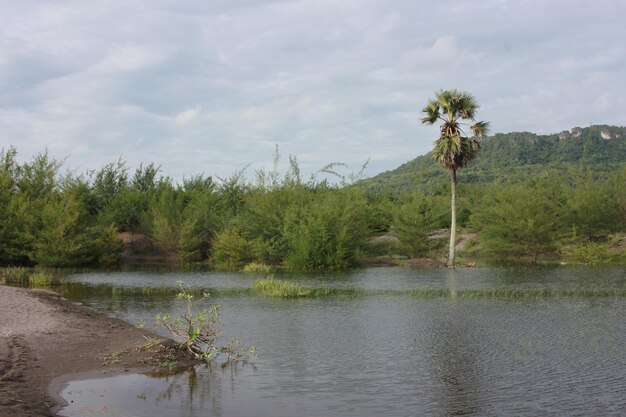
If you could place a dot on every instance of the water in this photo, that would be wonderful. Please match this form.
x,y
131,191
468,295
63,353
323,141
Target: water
x,y
380,354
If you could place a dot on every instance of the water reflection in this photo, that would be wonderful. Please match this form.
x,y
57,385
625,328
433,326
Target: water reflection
x,y
454,363
193,391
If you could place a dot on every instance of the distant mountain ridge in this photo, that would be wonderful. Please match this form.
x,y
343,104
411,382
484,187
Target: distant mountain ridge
x,y
602,147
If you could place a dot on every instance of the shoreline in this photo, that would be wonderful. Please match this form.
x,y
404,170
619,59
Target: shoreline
x,y
46,341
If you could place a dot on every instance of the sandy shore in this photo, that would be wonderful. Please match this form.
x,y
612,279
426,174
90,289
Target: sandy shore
x,y
46,340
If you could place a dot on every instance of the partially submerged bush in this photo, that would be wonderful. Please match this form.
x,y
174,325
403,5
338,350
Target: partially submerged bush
x,y
199,332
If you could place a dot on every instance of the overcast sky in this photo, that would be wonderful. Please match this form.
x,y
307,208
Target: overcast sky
x,y
210,86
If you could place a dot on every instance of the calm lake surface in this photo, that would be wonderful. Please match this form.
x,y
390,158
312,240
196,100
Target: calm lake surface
x,y
382,352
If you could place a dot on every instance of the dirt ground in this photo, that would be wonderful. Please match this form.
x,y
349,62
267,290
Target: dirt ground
x,y
46,340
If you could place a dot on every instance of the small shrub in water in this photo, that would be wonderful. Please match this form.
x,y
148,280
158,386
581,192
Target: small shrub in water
x,y
199,331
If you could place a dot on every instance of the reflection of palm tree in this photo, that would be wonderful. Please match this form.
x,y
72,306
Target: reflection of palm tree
x,y
454,360
452,149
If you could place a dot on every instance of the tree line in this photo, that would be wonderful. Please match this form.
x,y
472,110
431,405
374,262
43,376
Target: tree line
x,y
53,217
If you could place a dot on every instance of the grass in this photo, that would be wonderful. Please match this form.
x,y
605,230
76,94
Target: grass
x,y
520,293
14,275
271,287
256,268
27,277
279,288
112,358
40,279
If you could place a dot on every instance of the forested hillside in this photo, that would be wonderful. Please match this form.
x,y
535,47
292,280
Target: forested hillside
x,y
511,156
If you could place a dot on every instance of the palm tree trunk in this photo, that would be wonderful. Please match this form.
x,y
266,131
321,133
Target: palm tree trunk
x,y
453,218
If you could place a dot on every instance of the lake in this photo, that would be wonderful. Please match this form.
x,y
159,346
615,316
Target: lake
x,y
384,350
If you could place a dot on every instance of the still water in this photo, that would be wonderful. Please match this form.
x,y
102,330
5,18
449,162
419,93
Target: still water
x,y
379,353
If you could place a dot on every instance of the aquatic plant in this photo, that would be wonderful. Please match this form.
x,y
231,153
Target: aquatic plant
x,y
279,288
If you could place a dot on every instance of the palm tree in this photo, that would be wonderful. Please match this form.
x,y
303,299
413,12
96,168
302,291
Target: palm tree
x,y
453,149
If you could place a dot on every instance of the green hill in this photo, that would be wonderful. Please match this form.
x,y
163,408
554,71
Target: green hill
x,y
507,156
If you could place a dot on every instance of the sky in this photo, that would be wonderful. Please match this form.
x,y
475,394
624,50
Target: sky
x,y
213,86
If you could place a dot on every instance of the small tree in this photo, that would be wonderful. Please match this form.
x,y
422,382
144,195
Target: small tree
x,y
454,150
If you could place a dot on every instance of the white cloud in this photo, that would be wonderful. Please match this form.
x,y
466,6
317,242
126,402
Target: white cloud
x,y
128,58
445,51
326,80
187,116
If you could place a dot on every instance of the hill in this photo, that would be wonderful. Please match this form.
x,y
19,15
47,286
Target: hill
x,y
601,148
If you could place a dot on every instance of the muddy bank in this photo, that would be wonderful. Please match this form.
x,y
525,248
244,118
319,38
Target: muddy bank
x,y
45,339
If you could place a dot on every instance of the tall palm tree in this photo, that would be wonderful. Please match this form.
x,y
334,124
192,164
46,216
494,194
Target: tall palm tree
x,y
453,149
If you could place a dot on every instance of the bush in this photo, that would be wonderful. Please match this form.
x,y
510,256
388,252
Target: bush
x,y
231,250
412,223
594,253
108,247
199,331
327,233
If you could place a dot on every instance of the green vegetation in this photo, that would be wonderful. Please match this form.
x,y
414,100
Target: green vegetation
x,y
513,156
113,358
516,293
549,213
453,150
612,251
14,275
40,280
27,277
199,331
256,268
279,288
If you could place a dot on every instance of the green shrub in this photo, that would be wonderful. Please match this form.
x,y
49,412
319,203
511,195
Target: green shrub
x,y
412,223
231,250
594,253
327,233
257,268
108,246
199,331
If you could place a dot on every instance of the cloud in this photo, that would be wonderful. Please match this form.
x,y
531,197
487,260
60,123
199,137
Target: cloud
x,y
210,88
129,58
187,116
444,52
